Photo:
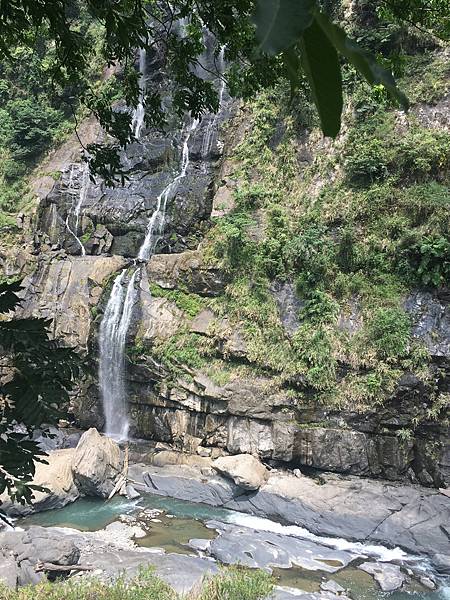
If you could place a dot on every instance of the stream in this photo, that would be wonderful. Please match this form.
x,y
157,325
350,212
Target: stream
x,y
170,524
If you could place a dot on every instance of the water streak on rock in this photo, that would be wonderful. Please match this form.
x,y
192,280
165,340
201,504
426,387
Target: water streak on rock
x,y
81,195
211,129
139,113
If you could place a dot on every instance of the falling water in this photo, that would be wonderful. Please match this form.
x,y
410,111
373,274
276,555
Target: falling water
x,y
117,318
113,333
139,113
208,138
81,195
156,223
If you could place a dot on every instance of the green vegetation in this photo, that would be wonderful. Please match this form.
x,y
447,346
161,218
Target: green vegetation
x,y
231,584
190,304
41,375
36,110
363,223
65,42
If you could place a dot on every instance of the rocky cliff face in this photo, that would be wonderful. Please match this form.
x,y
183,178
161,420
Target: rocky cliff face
x,y
194,377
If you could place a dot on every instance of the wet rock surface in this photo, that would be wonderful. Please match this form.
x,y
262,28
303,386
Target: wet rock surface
x,y
411,517
388,577
267,550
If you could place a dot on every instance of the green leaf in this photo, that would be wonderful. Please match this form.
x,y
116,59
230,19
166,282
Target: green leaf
x,y
280,23
363,60
292,65
321,65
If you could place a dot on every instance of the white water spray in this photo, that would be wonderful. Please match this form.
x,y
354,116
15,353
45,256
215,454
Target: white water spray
x,y
117,318
211,128
112,339
80,195
139,113
156,223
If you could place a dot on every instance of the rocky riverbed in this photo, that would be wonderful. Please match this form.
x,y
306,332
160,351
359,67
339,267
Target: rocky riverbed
x,y
321,534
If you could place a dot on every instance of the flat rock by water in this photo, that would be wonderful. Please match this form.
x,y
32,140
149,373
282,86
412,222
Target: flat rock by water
x,y
390,514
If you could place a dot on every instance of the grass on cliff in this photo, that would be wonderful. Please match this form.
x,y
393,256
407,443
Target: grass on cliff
x,y
231,584
355,225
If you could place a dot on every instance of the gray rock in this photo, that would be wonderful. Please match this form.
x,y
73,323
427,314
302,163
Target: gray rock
x,y
96,464
266,550
37,544
132,493
431,321
407,516
428,582
9,571
55,475
245,470
389,577
288,305
332,586
111,554
442,563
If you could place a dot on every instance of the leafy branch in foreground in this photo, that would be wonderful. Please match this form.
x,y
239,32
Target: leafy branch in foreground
x,y
309,41
295,38
37,374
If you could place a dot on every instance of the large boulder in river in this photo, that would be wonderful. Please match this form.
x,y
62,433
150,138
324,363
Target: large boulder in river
x,y
245,470
389,577
55,476
96,464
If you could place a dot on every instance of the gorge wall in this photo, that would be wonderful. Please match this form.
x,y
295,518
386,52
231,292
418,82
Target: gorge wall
x,y
284,313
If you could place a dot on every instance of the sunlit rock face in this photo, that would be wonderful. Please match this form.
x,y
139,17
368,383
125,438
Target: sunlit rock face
x,y
114,220
87,234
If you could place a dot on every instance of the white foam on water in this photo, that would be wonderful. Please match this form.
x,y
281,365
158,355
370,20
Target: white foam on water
x,y
379,552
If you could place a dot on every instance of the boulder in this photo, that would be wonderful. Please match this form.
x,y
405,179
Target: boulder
x,y
9,571
22,550
245,470
442,563
96,464
389,577
55,475
332,586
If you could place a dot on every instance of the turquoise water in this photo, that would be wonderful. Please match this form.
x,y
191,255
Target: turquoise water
x,y
173,534
86,514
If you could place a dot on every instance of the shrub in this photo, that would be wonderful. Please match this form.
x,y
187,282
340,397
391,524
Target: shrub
x,y
389,332
319,308
427,259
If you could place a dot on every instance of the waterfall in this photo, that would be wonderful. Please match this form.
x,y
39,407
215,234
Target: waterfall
x,y
113,333
117,318
208,138
81,195
156,223
139,113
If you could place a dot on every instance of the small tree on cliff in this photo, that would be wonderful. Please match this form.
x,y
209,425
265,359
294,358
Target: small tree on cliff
x,y
36,376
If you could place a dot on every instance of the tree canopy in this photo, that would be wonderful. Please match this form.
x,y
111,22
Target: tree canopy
x,y
265,40
37,376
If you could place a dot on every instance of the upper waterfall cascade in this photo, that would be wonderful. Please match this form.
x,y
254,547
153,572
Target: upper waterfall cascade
x,y
80,194
118,313
139,113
